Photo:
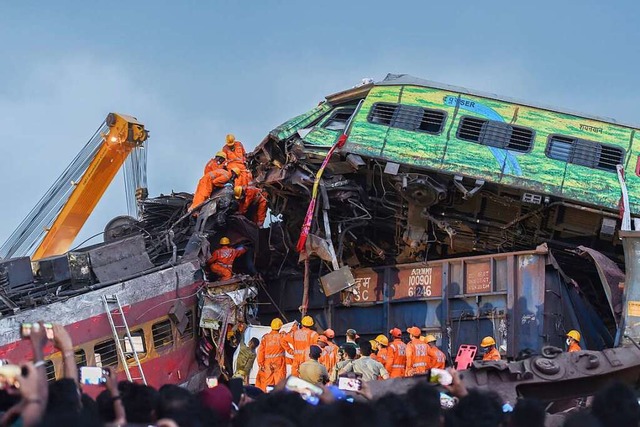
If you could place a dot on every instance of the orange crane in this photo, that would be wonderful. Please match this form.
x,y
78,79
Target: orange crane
x,y
54,223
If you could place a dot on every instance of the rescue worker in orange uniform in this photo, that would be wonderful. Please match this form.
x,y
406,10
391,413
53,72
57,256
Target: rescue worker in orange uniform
x,y
326,355
332,349
298,343
374,350
221,260
396,355
383,350
219,161
436,358
573,338
489,346
271,360
235,152
416,353
210,181
252,203
243,175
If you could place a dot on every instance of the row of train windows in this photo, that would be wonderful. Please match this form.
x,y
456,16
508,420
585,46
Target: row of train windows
x,y
106,352
498,134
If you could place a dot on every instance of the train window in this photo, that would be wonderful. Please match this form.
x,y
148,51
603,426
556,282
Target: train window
x,y
162,334
80,357
497,134
339,118
584,153
106,353
408,117
50,370
188,331
137,338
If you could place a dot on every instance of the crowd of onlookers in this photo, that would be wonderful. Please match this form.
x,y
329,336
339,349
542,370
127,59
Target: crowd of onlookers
x,y
32,401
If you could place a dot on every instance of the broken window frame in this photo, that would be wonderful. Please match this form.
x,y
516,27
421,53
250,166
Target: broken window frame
x,y
497,134
335,113
407,117
113,359
583,152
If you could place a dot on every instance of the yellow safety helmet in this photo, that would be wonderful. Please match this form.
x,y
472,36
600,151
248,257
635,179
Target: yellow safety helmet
x,y
237,191
276,324
307,321
374,345
225,241
236,170
430,338
381,339
230,139
221,154
487,341
574,334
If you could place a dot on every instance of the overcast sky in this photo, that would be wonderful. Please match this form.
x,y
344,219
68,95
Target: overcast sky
x,y
194,70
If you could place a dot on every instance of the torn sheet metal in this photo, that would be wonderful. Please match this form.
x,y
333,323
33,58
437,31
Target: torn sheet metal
x,y
610,275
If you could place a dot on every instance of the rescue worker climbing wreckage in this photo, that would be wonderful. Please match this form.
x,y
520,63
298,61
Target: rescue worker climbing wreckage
x,y
210,181
488,345
271,358
298,341
416,353
252,203
221,260
219,161
573,338
396,355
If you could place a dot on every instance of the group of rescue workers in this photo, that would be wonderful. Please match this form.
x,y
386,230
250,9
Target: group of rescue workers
x,y
319,360
316,357
229,168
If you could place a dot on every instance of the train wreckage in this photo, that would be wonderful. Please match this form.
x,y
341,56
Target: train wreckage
x,y
398,203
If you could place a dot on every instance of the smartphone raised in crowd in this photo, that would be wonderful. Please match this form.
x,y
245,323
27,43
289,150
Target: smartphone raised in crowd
x,y
25,330
309,392
212,382
91,375
350,384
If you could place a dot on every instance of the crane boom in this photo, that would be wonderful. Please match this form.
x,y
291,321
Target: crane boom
x,y
56,220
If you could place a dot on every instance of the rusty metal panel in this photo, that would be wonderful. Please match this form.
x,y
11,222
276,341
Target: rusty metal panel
x,y
416,282
369,285
478,277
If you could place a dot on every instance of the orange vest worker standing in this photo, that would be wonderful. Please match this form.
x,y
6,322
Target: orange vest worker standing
x,y
436,358
396,355
271,359
235,151
332,360
221,260
299,342
416,353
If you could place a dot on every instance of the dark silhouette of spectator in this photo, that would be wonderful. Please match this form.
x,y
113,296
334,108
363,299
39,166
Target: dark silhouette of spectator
x,y
528,413
616,405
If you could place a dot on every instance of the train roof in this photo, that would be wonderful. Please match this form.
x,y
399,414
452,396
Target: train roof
x,y
408,80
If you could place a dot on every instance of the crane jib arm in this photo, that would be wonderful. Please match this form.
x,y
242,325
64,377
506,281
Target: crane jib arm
x,y
124,134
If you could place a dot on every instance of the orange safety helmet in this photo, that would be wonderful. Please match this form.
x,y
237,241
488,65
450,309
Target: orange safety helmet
x,y
225,241
322,338
230,139
329,333
414,331
395,333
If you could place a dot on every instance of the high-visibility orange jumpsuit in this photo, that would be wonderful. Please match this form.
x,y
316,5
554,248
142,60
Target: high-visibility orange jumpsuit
x,y
209,182
299,342
271,360
574,346
396,358
492,354
331,359
221,261
382,355
416,357
212,165
255,200
235,155
244,179
436,358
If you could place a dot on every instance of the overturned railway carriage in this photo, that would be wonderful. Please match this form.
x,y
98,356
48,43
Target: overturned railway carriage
x,y
453,191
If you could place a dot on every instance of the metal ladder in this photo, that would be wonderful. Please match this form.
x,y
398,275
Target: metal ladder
x,y
113,300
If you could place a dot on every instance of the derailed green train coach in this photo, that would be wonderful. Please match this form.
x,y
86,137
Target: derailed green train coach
x,y
438,204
